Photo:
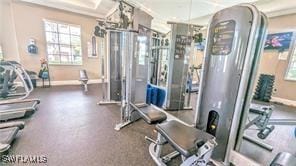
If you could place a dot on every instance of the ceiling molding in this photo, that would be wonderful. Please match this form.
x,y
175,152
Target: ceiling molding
x,y
98,4
65,7
281,12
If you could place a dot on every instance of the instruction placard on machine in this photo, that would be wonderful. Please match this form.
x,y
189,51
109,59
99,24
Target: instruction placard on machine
x,y
223,38
182,42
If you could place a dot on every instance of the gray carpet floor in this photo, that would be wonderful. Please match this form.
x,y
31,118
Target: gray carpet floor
x,y
69,128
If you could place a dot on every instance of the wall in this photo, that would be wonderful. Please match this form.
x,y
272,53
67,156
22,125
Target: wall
x,y
141,17
8,39
27,19
270,64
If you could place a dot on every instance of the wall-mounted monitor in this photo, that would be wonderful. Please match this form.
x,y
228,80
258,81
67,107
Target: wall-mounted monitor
x,y
278,41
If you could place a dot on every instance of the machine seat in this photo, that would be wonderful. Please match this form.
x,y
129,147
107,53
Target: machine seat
x,y
150,114
184,139
284,159
83,75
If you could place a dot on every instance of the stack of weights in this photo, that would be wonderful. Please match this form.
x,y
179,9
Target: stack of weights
x,y
264,88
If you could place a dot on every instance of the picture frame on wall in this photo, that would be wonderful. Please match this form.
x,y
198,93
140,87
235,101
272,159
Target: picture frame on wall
x,y
278,41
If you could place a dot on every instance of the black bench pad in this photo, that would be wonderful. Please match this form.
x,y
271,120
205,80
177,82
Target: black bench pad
x,y
150,114
284,159
184,139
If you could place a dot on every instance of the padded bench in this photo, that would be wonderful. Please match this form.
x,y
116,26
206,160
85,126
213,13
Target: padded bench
x,y
83,79
150,113
284,159
185,139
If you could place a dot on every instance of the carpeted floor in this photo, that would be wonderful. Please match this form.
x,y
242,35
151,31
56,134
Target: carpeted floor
x,y
71,129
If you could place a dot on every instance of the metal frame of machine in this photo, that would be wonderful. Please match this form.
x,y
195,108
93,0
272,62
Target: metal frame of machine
x,y
229,133
178,65
248,69
18,107
217,136
108,100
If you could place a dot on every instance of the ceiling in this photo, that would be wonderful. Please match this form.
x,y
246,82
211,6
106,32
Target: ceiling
x,y
193,11
95,8
200,11
183,10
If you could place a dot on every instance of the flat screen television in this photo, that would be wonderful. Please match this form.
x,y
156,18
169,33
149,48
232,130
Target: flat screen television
x,y
278,41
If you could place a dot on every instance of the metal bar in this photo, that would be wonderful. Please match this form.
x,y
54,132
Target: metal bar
x,y
282,122
108,102
15,101
258,142
154,156
171,156
255,49
122,125
252,122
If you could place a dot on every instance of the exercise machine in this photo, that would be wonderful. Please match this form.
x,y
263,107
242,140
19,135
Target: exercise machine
x,y
192,87
14,70
16,107
8,132
118,43
234,45
260,117
114,63
83,78
132,71
178,64
169,64
134,81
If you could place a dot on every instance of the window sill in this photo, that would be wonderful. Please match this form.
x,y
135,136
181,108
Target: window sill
x,y
54,64
290,79
93,57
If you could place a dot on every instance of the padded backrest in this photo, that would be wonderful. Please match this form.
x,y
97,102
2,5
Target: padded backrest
x,y
83,75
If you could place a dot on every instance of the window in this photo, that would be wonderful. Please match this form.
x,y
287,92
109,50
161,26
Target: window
x,y
63,43
291,72
1,54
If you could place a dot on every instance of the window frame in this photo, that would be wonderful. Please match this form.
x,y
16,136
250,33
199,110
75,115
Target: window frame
x,y
60,44
290,57
1,53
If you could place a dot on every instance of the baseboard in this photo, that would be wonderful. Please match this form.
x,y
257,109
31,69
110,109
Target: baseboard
x,y
283,101
69,82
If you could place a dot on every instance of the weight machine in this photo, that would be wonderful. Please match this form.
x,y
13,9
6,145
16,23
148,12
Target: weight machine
x,y
264,123
234,44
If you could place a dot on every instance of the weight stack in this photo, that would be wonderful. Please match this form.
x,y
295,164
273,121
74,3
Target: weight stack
x,y
264,88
